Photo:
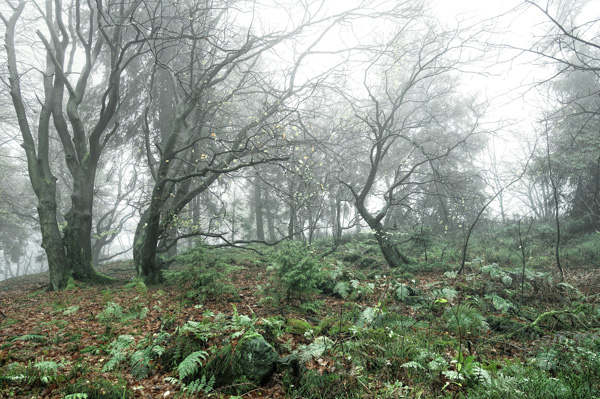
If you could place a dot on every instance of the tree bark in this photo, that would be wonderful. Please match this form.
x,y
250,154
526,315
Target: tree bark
x,y
52,242
258,209
393,256
78,231
144,247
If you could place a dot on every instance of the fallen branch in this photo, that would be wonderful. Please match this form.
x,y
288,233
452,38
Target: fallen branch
x,y
553,314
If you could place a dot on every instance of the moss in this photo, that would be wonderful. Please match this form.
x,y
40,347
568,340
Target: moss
x,y
331,326
70,284
297,326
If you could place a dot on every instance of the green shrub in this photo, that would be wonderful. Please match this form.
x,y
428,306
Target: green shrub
x,y
298,273
205,271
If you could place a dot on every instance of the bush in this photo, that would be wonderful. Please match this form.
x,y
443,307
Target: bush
x,y
297,271
205,271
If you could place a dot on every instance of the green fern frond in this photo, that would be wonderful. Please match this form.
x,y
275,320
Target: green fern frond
x,y
112,312
30,337
315,349
446,293
140,363
172,381
200,385
117,351
413,365
342,289
191,364
402,292
367,316
47,366
71,310
499,303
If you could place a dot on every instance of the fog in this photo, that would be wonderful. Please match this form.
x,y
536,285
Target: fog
x,y
149,129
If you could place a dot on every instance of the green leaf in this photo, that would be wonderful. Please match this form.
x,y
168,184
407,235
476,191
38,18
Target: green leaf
x,y
191,364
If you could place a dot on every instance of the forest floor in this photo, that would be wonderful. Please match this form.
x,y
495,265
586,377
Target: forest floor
x,y
50,341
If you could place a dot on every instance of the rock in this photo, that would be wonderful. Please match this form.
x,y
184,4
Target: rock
x,y
297,326
255,358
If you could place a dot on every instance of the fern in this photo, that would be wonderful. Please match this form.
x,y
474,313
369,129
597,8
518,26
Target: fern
x,y
438,365
201,331
367,316
149,349
76,396
135,312
191,364
413,365
500,303
112,312
447,293
402,292
493,270
569,289
47,370
464,318
140,363
117,351
200,385
342,289
70,310
47,366
338,271
31,337
172,381
315,350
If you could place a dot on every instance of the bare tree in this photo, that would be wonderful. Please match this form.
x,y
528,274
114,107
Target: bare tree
x,y
410,122
99,41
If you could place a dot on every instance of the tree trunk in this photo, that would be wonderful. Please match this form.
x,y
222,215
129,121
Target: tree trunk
x,y
52,243
144,247
390,251
271,225
258,209
291,221
78,231
337,226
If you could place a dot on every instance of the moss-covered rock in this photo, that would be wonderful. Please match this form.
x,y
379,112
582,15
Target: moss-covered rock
x,y
252,361
297,326
254,358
